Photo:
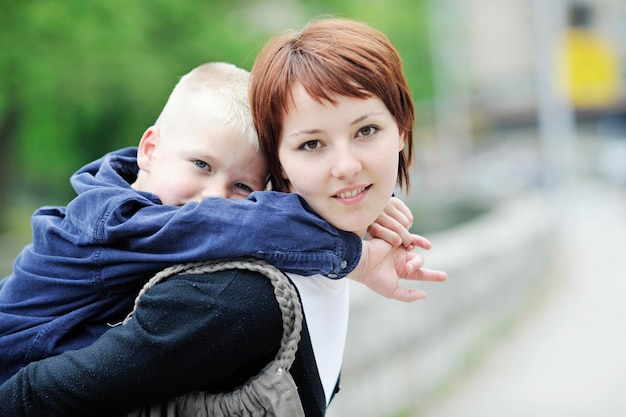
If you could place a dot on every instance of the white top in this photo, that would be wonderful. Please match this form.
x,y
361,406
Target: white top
x,y
326,304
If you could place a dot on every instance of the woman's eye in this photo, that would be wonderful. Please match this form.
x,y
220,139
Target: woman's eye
x,y
202,165
367,131
311,145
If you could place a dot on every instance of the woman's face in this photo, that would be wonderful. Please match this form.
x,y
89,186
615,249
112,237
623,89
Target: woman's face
x,y
342,159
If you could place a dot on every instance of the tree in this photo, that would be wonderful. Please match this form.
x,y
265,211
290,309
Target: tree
x,y
81,78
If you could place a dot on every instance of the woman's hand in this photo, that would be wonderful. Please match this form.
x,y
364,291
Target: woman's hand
x,y
393,226
382,266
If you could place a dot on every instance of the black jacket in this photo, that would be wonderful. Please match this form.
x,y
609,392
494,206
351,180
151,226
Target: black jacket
x,y
191,332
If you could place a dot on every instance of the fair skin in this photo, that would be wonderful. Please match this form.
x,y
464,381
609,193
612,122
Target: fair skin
x,y
342,157
203,158
354,148
211,159
196,161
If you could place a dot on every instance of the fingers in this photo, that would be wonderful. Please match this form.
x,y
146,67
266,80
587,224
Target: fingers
x,y
382,267
406,237
421,242
398,210
392,231
389,236
393,226
407,295
414,261
423,274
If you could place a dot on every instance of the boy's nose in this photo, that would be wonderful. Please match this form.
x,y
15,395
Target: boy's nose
x,y
215,190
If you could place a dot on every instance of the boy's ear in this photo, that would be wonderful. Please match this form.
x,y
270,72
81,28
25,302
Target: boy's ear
x,y
147,146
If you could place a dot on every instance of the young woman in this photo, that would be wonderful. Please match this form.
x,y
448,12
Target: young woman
x,y
335,120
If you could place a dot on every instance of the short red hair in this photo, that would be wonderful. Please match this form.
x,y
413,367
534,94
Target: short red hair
x,y
329,57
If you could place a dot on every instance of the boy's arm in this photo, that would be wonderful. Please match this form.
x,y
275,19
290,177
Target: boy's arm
x,y
276,227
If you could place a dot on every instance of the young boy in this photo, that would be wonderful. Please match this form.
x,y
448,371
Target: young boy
x,y
141,209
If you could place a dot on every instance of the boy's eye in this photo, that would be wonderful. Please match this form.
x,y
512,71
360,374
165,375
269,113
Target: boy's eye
x,y
244,187
202,165
311,145
367,131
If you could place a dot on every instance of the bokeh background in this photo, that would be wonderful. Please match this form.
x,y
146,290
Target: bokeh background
x,y
519,180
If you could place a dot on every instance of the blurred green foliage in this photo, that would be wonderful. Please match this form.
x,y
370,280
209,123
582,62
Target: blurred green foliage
x,y
81,78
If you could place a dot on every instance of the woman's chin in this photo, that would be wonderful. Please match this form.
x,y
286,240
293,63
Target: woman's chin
x,y
350,225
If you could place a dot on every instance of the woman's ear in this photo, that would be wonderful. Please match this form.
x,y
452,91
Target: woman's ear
x,y
401,140
284,176
147,147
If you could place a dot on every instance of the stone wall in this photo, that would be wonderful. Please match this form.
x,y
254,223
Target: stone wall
x,y
399,355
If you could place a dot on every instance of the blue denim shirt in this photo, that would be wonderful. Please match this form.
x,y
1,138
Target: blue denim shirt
x,y
89,259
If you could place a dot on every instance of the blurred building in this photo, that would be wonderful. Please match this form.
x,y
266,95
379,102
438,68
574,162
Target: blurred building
x,y
497,49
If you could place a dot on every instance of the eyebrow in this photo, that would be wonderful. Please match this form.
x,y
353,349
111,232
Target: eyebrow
x,y
365,116
306,132
354,122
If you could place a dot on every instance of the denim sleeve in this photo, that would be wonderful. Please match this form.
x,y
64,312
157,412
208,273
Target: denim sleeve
x,y
276,227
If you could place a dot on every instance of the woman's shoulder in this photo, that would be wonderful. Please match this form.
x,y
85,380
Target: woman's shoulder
x,y
232,303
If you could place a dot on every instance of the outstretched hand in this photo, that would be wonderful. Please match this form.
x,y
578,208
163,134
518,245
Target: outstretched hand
x,y
382,266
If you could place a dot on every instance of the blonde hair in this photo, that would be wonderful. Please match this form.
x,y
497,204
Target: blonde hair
x,y
220,91
331,56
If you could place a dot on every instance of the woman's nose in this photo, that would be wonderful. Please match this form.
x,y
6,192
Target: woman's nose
x,y
346,164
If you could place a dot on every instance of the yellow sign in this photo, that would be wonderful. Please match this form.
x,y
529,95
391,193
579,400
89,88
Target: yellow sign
x,y
590,71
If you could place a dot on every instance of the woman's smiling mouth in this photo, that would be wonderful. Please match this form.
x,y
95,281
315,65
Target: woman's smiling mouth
x,y
351,193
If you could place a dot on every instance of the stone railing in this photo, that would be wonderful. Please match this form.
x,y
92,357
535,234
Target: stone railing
x,y
399,355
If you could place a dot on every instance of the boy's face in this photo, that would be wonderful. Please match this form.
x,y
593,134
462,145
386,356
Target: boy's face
x,y
199,160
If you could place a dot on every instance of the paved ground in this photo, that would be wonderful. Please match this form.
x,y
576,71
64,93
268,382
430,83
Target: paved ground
x,y
567,358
